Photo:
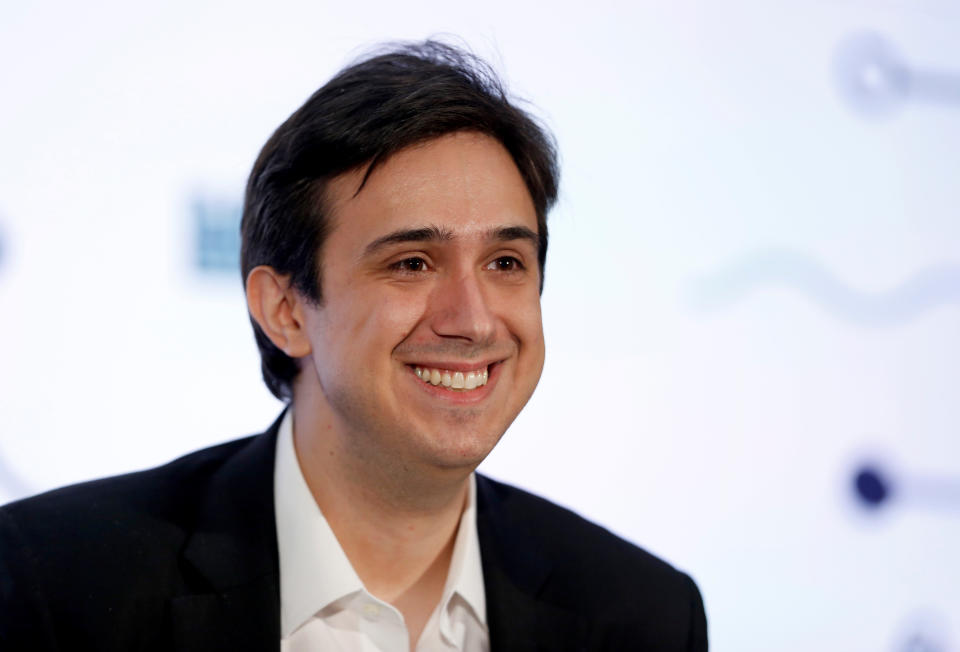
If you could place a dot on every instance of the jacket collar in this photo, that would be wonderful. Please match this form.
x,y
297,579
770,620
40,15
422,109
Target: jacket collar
x,y
232,555
516,578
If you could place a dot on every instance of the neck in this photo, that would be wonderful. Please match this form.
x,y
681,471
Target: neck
x,y
396,523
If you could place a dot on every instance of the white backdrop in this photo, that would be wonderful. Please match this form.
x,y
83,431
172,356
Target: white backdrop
x,y
752,289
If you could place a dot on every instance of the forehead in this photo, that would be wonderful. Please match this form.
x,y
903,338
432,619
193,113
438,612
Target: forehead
x,y
465,182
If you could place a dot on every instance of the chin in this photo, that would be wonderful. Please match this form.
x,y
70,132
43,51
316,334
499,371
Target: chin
x,y
464,451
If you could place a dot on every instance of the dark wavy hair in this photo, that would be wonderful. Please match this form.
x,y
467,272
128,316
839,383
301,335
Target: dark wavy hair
x,y
398,97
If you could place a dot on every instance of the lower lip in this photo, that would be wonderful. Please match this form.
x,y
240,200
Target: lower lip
x,y
459,396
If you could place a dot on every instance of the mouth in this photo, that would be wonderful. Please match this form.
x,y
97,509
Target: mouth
x,y
452,379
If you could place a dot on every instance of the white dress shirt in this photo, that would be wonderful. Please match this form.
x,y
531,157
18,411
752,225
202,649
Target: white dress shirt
x,y
323,603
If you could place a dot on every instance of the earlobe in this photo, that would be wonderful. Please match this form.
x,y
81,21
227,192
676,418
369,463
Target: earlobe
x,y
278,310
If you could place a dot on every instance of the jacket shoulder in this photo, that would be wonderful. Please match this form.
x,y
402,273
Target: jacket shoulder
x,y
104,551
162,495
564,535
595,573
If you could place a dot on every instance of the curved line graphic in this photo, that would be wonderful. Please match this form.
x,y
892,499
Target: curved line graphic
x,y
876,486
3,243
876,80
11,483
930,288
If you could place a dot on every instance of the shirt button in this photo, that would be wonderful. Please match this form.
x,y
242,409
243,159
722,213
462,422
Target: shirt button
x,y
371,610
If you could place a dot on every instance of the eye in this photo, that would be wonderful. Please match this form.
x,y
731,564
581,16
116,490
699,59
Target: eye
x,y
410,265
505,264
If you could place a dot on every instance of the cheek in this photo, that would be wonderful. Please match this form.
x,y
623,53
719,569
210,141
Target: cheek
x,y
526,320
388,321
525,324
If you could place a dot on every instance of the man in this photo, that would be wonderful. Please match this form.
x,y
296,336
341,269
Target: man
x,y
394,240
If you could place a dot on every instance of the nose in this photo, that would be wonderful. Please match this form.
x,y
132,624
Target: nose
x,y
460,308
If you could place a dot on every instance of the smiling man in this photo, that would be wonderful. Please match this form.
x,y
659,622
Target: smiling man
x,y
394,240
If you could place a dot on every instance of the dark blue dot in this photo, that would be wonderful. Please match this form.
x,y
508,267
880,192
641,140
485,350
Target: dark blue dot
x,y
871,487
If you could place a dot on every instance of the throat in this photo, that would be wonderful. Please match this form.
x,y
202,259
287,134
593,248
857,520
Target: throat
x,y
405,564
417,597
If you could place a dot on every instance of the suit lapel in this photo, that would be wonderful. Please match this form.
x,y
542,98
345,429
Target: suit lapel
x,y
231,558
515,576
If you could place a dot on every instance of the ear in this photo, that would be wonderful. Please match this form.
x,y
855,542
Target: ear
x,y
278,310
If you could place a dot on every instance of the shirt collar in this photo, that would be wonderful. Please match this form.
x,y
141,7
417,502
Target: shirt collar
x,y
314,570
465,577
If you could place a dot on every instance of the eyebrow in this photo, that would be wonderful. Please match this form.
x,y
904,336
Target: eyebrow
x,y
440,234
508,233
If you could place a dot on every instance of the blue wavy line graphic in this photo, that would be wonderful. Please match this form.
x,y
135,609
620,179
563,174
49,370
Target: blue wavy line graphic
x,y
930,288
876,80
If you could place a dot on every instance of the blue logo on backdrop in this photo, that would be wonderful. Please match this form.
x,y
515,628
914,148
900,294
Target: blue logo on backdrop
x,y
216,226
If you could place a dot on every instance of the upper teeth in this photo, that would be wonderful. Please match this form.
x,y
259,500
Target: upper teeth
x,y
453,379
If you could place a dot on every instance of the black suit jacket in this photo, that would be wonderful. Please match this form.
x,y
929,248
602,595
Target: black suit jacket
x,y
184,557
